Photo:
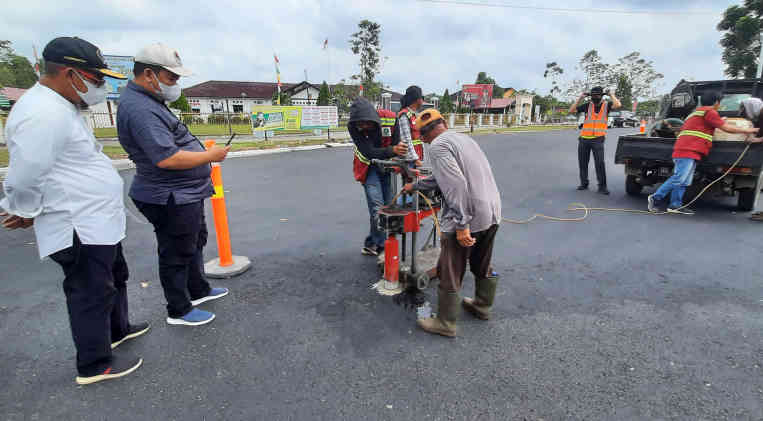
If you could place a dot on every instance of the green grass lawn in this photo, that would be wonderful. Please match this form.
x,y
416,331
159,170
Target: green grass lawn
x,y
210,130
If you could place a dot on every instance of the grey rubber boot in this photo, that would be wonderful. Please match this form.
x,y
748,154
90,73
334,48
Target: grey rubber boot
x,y
444,323
484,294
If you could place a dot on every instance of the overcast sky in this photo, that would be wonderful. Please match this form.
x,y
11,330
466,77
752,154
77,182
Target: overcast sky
x,y
432,45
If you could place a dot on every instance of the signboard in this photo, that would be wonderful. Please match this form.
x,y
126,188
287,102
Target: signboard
x,y
477,95
537,113
119,64
314,117
274,117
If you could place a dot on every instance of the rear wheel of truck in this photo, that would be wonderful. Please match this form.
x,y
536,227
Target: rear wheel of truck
x,y
746,201
632,186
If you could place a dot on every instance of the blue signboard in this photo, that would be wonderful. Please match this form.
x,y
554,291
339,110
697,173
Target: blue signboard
x,y
120,64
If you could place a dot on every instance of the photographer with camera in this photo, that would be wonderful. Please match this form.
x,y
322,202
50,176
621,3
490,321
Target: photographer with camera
x,y
592,134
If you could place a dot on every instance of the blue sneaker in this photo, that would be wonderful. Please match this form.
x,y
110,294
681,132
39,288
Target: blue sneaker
x,y
194,317
214,294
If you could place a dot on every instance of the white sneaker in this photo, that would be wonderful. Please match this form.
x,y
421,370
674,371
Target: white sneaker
x,y
650,203
684,211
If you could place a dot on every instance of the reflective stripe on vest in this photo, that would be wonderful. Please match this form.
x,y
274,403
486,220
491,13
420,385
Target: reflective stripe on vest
x,y
595,124
360,157
697,134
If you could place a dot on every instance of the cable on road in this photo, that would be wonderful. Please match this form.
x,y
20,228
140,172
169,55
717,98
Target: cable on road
x,y
576,207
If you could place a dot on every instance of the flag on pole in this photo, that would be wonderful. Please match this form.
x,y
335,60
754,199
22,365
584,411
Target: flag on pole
x,y
278,79
325,43
36,61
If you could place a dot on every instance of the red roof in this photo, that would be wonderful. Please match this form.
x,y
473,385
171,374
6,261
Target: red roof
x,y
13,94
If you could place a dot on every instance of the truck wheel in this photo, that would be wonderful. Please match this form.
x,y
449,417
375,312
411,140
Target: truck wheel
x,y
746,201
632,187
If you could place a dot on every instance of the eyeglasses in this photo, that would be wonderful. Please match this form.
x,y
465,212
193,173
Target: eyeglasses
x,y
95,80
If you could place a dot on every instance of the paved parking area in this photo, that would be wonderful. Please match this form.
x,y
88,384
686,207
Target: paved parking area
x,y
617,317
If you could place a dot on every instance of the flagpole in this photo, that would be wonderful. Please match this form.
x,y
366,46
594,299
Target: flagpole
x,y
328,60
36,62
278,79
328,54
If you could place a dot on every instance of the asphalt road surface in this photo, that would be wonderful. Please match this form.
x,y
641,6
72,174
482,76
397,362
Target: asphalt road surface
x,y
627,317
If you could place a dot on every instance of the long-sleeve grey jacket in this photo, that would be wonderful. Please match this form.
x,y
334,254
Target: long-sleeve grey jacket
x,y
462,172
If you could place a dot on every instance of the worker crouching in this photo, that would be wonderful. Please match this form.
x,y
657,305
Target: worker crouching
x,y
470,217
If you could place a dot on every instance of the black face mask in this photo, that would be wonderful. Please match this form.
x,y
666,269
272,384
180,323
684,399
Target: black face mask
x,y
596,99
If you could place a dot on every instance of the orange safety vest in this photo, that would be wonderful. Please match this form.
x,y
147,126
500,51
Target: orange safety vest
x,y
360,163
595,124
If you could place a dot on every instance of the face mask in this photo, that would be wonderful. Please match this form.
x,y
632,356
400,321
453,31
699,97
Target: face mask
x,y
169,93
94,94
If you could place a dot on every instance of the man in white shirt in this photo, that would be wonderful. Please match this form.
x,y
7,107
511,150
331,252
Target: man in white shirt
x,y
61,183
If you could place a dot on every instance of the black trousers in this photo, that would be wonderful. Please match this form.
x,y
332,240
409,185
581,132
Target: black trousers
x,y
181,234
585,147
95,286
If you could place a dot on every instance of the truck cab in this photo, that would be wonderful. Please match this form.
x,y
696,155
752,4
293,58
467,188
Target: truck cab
x,y
648,157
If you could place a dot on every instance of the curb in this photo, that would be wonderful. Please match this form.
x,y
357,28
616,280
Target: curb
x,y
126,164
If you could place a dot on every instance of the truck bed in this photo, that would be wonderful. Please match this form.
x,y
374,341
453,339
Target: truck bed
x,y
660,150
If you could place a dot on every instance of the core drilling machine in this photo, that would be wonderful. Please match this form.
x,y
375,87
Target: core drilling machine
x,y
405,220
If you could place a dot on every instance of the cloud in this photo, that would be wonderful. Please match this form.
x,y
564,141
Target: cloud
x,y
432,45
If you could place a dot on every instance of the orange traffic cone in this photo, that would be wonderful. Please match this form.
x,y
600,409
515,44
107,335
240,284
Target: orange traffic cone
x,y
227,265
642,128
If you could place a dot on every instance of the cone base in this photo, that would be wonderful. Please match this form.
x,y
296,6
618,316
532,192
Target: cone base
x,y
240,265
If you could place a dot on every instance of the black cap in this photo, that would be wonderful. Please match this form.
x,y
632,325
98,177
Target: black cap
x,y
76,52
597,90
412,94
